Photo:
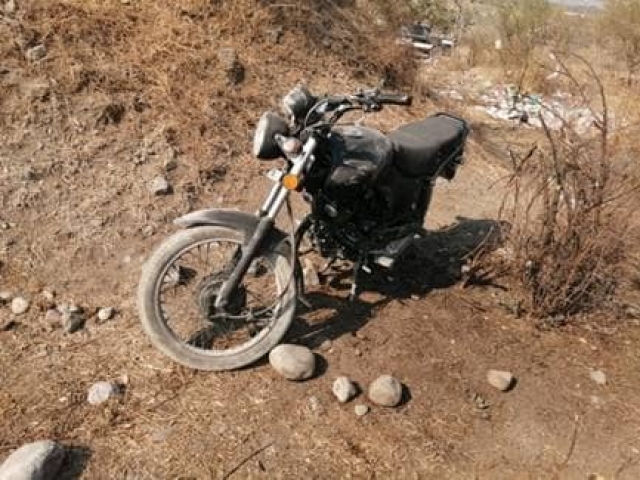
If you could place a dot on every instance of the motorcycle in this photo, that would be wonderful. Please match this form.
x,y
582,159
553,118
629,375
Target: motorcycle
x,y
239,275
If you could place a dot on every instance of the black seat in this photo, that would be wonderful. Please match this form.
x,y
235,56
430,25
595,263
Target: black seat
x,y
422,148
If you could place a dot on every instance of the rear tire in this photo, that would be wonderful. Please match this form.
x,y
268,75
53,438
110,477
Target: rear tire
x,y
162,337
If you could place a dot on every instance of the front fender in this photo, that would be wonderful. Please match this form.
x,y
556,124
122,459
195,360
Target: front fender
x,y
236,219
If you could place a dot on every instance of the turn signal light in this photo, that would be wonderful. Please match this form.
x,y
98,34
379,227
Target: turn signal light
x,y
291,182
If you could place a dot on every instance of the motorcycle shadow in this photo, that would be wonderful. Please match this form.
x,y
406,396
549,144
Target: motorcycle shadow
x,y
434,262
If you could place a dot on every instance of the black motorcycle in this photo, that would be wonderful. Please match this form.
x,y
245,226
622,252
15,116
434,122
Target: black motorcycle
x,y
222,292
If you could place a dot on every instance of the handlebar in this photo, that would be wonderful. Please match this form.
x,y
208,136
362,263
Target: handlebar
x,y
367,100
394,99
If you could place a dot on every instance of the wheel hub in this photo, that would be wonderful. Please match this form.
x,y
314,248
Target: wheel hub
x,y
208,293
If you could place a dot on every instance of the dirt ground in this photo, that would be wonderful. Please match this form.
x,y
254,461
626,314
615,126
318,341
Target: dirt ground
x,y
78,218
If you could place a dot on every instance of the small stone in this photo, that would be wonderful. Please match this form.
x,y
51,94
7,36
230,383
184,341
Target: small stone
x,y
72,318
598,376
148,230
160,186
106,313
325,345
35,461
275,35
9,7
357,352
311,277
361,410
100,392
8,324
5,296
501,380
293,362
632,311
36,53
314,403
19,305
49,295
385,391
344,389
53,316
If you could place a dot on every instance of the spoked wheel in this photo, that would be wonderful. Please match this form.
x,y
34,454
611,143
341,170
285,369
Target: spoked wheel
x,y
178,291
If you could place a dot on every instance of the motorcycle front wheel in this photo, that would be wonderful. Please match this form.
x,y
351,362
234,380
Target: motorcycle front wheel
x,y
177,293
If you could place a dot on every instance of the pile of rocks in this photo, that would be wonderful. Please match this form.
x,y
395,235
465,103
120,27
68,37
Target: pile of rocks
x,y
68,316
297,363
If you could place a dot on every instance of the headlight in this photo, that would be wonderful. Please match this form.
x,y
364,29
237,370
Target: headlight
x,y
264,143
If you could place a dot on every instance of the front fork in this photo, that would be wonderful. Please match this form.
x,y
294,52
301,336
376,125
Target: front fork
x,y
267,214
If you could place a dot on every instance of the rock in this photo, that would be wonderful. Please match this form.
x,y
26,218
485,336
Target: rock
x,y
100,392
19,306
325,345
160,186
314,404
53,316
385,391
275,35
106,313
361,410
632,311
72,318
35,461
35,90
8,324
9,7
311,277
36,53
5,296
293,362
49,295
598,376
344,389
501,380
232,67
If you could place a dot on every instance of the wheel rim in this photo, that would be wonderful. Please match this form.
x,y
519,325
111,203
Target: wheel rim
x,y
189,282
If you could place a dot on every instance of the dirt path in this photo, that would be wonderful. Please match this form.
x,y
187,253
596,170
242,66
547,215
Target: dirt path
x,y
82,226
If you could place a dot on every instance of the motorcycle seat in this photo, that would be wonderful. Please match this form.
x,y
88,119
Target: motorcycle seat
x,y
421,149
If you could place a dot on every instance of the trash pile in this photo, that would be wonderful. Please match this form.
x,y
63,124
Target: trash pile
x,y
507,103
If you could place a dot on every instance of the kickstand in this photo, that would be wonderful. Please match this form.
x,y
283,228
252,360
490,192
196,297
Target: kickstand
x,y
353,296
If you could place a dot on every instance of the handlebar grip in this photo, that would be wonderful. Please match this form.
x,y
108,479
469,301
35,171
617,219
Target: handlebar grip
x,y
394,99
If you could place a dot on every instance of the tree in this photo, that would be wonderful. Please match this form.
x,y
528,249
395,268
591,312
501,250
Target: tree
x,y
621,25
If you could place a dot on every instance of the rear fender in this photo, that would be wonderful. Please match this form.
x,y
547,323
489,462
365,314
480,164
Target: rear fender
x,y
236,219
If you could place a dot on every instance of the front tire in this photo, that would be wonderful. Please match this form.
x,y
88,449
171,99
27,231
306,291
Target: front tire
x,y
164,263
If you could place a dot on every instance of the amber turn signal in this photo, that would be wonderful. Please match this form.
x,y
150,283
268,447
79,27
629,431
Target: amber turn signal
x,y
291,182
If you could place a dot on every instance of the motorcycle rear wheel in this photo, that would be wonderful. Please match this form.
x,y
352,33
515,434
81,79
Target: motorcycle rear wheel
x,y
167,270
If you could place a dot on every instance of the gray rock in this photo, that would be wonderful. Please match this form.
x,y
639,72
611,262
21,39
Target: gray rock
x,y
19,305
160,186
501,380
73,318
35,461
598,376
361,410
385,391
106,313
344,389
36,53
293,362
100,392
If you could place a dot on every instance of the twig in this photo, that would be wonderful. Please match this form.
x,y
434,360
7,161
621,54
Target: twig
x,y
245,460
